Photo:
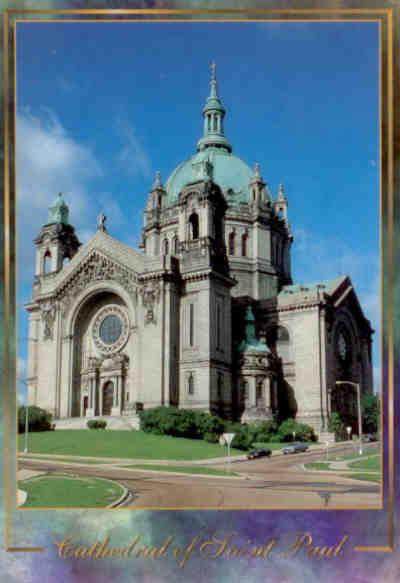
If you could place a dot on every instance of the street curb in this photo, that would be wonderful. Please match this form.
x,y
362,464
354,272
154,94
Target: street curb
x,y
123,496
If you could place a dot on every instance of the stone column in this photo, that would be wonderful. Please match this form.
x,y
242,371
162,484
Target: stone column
x,y
252,391
267,393
100,395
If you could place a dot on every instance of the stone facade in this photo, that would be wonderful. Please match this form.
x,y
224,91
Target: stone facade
x,y
204,315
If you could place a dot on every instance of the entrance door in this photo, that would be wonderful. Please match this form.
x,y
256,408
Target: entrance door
x,y
108,396
85,405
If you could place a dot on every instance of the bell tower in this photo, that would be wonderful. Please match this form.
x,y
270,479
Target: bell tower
x,y
57,241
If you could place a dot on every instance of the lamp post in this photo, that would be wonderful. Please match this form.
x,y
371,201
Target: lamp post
x,y
294,436
26,418
357,387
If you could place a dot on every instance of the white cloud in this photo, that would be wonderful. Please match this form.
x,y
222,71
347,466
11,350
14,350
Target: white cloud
x,y
21,368
318,259
48,161
132,157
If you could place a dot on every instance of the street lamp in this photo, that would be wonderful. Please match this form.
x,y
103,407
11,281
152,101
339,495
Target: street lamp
x,y
26,418
348,429
294,436
357,387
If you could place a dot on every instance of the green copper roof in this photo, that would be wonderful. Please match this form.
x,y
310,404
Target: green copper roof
x,y
228,171
250,341
58,211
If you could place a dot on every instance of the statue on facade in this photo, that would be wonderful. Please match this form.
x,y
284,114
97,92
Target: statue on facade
x,y
101,222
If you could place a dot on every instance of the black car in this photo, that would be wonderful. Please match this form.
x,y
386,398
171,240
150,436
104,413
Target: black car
x,y
369,437
261,452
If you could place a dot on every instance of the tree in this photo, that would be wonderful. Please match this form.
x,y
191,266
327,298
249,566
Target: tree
x,y
38,419
370,413
336,425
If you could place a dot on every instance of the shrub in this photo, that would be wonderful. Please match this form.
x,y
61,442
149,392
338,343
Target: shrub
x,y
96,424
303,432
180,422
244,435
264,431
38,419
370,413
211,437
210,424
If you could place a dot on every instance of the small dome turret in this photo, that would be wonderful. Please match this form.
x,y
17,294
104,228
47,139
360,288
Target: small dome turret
x,y
58,211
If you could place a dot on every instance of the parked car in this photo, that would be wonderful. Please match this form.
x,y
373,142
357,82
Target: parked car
x,y
369,437
295,447
261,452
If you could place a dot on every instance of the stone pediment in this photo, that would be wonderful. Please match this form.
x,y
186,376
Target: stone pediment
x,y
100,245
97,267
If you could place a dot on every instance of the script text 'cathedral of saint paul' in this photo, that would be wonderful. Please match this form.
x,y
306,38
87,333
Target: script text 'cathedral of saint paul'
x,y
203,316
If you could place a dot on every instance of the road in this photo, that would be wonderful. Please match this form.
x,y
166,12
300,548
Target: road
x,y
277,482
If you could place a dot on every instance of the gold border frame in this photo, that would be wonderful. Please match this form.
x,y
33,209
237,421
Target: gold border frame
x,y
387,195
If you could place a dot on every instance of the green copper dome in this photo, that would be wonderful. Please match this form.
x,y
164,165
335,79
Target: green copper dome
x,y
228,171
58,211
251,342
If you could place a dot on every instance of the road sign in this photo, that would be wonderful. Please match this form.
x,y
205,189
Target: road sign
x,y
228,437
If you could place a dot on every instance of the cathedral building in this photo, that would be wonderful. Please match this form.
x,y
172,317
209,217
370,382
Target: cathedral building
x,y
204,315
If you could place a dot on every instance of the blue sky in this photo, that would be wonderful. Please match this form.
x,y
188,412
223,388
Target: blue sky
x,y
101,107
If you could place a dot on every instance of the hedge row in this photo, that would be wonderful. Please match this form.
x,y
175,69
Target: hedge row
x,y
200,425
38,419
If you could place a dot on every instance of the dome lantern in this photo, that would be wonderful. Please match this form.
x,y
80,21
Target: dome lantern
x,y
58,211
213,114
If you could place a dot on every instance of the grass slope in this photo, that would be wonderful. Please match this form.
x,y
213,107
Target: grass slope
x,y
122,444
182,469
60,491
365,477
370,463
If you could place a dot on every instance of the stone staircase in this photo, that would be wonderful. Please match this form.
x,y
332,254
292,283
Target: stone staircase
x,y
117,423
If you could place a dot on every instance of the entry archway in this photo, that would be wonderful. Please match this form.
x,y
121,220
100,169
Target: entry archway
x,y
108,397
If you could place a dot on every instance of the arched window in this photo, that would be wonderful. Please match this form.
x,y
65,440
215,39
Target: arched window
x,y
165,247
244,244
47,262
231,243
218,227
259,390
175,245
191,384
220,386
66,260
194,226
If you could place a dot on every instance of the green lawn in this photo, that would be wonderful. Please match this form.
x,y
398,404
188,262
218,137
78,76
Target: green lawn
x,y
354,455
369,463
317,466
182,469
122,444
60,491
365,477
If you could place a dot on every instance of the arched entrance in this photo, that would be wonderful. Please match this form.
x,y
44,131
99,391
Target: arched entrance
x,y
108,397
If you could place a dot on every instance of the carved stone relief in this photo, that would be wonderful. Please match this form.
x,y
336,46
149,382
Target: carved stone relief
x,y
150,297
48,313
